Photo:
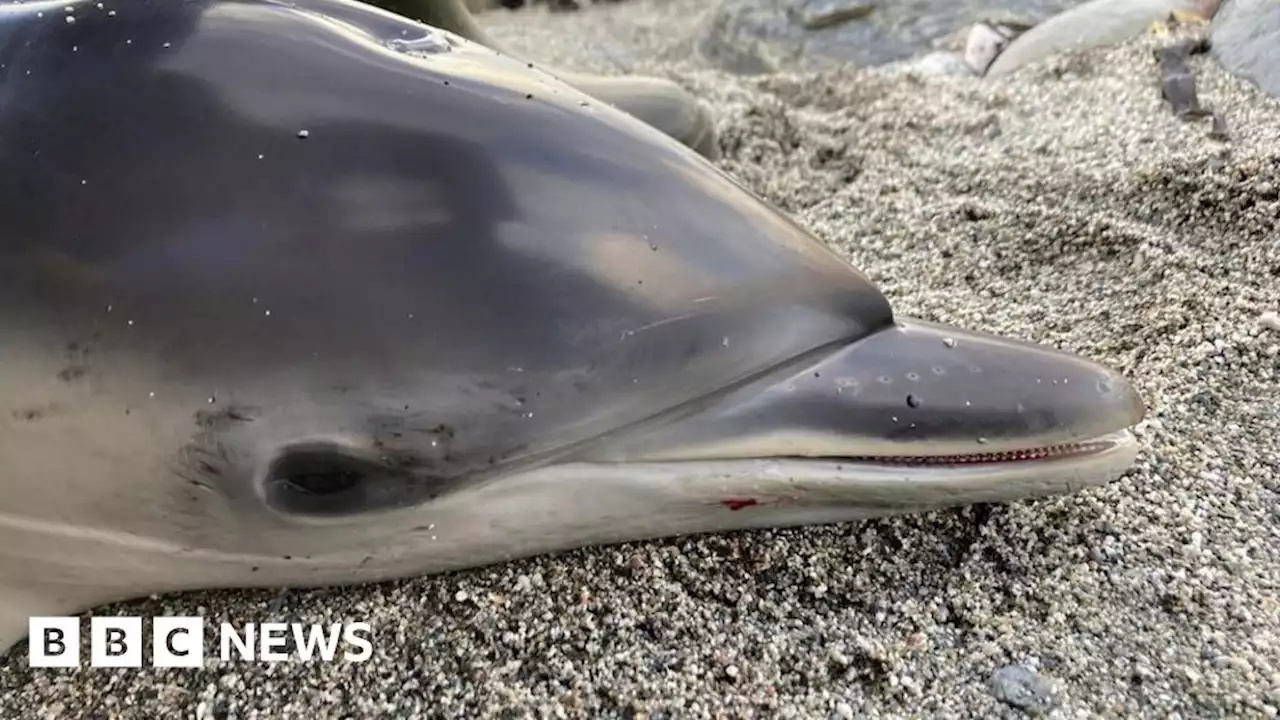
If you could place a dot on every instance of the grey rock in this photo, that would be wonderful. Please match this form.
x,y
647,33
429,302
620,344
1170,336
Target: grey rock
x,y
939,63
1093,24
1246,40
760,36
1023,688
985,42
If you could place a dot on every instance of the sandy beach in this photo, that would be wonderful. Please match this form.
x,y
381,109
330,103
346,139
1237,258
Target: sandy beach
x,y
1065,205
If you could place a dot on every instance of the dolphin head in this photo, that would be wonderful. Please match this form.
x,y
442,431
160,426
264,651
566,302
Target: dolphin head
x,y
306,294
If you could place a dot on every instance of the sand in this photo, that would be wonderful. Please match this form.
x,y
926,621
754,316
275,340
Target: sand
x,y
1063,205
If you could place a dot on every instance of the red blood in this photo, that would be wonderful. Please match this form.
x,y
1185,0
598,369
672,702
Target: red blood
x,y
739,503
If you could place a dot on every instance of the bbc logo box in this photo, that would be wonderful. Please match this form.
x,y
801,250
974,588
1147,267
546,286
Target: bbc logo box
x,y
116,642
180,642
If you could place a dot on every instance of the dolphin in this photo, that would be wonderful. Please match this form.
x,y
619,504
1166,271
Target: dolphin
x,y
307,294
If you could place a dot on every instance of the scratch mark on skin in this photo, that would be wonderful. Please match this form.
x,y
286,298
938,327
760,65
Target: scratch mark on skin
x,y
736,504
652,325
212,420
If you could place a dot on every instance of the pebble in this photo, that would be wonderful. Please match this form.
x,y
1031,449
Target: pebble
x,y
819,14
937,64
1022,688
982,46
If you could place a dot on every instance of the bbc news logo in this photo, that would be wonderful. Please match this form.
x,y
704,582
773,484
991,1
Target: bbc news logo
x,y
180,642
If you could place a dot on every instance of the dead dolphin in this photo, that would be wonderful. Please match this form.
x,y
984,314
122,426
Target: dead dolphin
x,y
302,293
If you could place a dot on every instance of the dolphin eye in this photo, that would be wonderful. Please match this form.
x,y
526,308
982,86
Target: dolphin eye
x,y
321,479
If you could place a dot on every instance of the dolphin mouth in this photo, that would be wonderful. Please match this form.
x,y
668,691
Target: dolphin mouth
x,y
1062,451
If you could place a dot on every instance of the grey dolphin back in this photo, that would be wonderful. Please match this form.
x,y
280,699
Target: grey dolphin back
x,y
362,226
657,101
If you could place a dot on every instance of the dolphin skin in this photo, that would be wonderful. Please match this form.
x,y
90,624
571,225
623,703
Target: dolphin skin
x,y
307,294
656,101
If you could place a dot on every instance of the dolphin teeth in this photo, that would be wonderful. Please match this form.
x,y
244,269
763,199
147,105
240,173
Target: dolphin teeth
x,y
1040,453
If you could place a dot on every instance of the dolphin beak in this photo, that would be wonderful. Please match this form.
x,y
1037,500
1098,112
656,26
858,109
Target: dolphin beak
x,y
914,393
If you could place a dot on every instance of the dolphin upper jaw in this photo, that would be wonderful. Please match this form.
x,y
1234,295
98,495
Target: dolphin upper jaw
x,y
912,394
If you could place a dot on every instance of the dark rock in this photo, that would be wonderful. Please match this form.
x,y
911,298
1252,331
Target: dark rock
x,y
1178,84
819,14
760,36
1246,40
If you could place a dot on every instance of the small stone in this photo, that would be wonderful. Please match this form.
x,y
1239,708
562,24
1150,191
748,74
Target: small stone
x,y
983,46
1021,687
820,14
939,63
1270,320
